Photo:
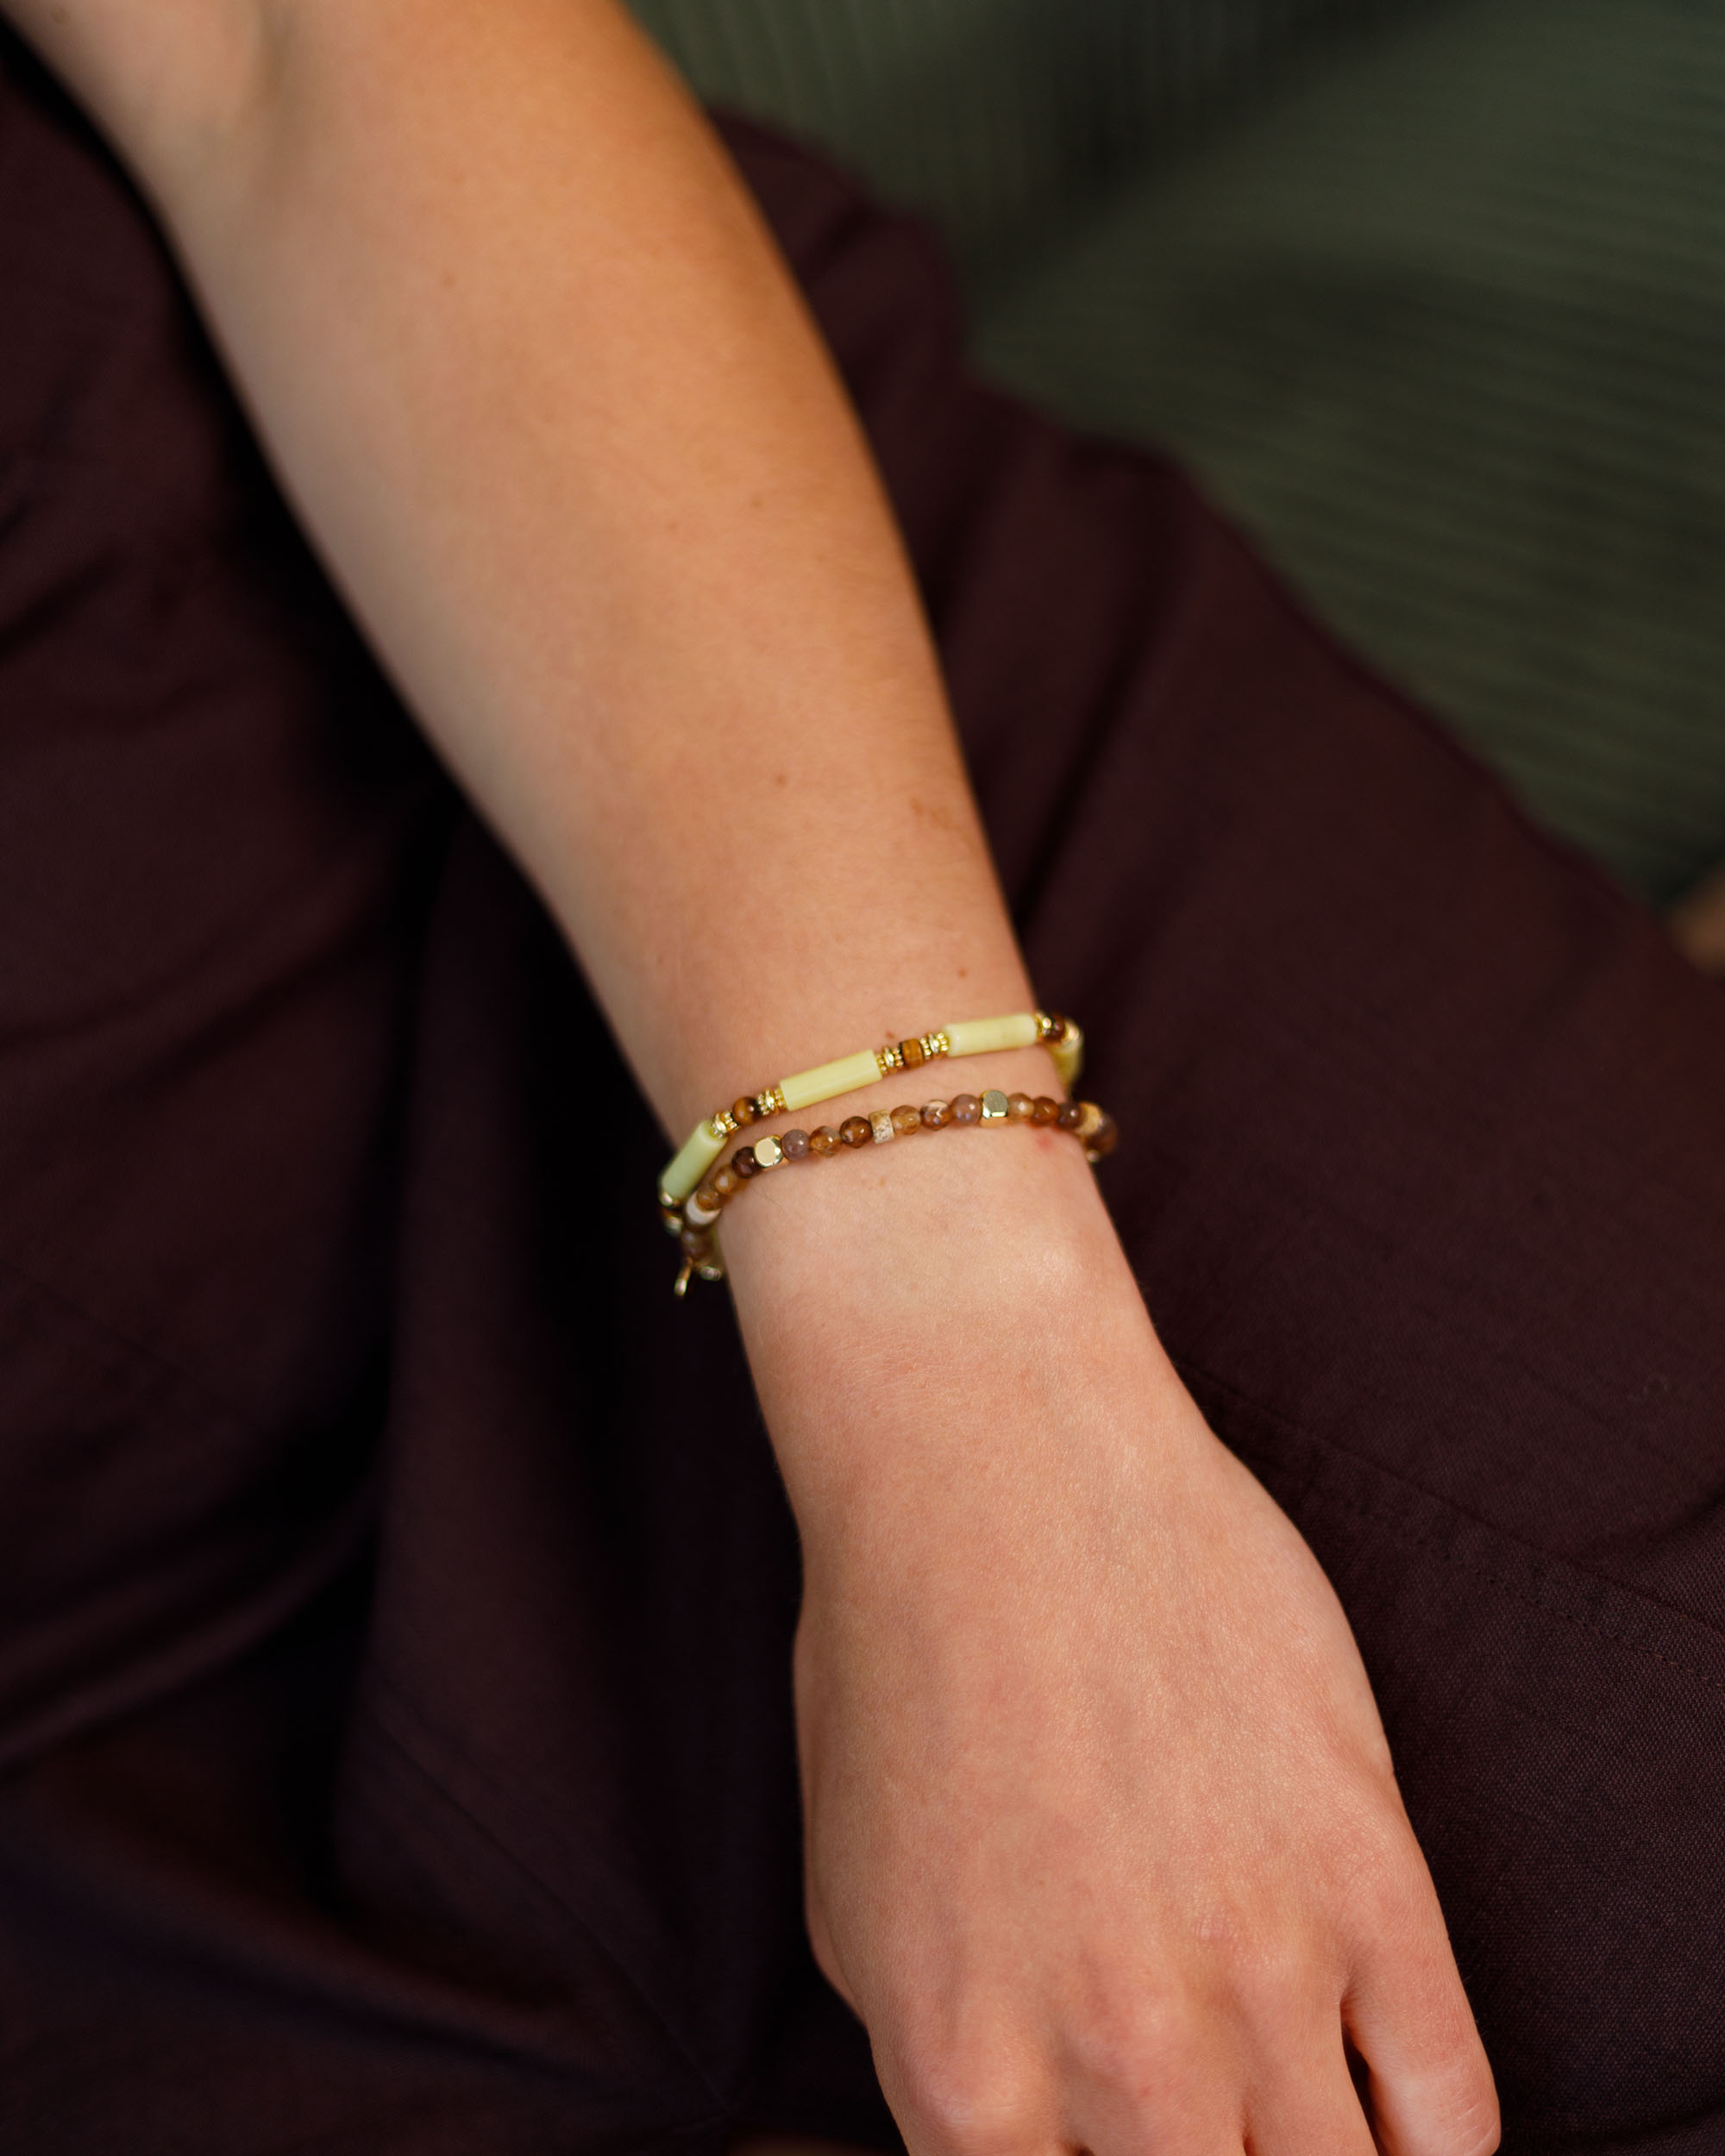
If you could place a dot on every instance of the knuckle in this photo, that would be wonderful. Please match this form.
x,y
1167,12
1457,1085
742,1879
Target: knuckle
x,y
1262,1965
1471,2125
969,2098
1272,1987
1142,2052
1481,2129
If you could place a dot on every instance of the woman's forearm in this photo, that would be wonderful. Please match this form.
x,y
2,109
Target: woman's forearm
x,y
533,371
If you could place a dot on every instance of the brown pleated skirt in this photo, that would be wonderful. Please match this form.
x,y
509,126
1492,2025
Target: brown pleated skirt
x,y
395,1586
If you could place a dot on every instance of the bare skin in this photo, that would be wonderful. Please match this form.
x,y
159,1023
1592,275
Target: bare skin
x,y
1104,1843
1698,922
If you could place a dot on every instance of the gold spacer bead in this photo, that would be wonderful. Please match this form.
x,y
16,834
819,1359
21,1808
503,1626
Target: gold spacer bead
x,y
887,1060
772,1102
996,1108
769,1153
1046,1027
935,1045
721,1123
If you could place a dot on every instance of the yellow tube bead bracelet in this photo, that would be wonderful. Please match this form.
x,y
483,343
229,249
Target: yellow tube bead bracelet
x,y
849,1074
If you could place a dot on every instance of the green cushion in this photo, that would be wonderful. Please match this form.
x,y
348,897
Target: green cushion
x,y
993,117
1435,305
1444,323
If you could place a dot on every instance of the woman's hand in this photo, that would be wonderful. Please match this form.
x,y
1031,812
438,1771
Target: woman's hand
x,y
1103,1841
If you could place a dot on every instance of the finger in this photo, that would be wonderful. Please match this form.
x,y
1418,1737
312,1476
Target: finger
x,y
1429,2088
975,2095
1311,2107
1153,2083
1330,2126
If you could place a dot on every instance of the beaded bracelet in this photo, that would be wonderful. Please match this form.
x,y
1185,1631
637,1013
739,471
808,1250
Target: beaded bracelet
x,y
806,1088
693,1222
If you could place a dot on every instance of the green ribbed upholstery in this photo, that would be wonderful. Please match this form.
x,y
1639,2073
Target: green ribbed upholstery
x,y
994,117
1435,303
1443,322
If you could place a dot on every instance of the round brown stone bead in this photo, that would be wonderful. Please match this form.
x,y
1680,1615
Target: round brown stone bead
x,y
1046,1110
725,1184
1070,1114
966,1108
696,1241
794,1144
905,1120
1101,1141
824,1142
742,1113
937,1115
745,1163
857,1130
1021,1108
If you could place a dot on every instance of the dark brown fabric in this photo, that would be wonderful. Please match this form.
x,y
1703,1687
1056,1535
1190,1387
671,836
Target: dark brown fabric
x,y
395,1589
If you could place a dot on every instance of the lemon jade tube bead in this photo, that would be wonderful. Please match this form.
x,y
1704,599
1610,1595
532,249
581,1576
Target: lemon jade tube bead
x,y
984,1036
827,1080
702,1148
849,1074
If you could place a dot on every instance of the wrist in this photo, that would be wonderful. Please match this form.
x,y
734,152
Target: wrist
x,y
916,1308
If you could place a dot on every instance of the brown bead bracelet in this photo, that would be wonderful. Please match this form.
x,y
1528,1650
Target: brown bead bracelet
x,y
693,1222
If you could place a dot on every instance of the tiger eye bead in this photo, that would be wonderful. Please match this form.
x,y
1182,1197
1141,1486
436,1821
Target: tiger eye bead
x,y
937,1115
726,1184
910,1054
966,1108
742,1113
857,1130
1020,1107
824,1142
1100,1142
1070,1114
743,1163
1046,1110
905,1120
794,1144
